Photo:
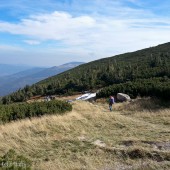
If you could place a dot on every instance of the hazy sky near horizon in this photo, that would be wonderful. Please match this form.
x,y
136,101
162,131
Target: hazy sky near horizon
x,y
53,32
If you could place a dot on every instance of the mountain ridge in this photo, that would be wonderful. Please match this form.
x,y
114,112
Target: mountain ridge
x,y
151,64
18,80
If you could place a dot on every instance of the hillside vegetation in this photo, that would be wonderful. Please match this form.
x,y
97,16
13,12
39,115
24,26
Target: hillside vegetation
x,y
135,136
13,112
151,65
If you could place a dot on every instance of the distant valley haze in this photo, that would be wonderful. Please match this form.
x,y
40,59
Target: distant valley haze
x,y
14,77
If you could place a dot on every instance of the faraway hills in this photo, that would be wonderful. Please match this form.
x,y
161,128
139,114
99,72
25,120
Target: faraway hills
x,y
15,77
8,69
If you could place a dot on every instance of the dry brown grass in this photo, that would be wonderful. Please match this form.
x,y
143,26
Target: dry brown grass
x,y
66,142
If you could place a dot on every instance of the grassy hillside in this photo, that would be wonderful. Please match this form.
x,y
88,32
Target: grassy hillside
x,y
135,136
145,64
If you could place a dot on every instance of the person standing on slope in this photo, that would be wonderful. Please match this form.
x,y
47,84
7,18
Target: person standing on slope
x,y
111,102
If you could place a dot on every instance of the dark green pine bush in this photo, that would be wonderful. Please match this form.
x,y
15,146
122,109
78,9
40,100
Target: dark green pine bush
x,y
18,111
154,87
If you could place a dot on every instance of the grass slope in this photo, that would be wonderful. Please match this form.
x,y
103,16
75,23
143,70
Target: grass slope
x,y
135,136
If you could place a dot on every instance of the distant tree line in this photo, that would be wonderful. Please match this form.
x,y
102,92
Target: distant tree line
x,y
19,111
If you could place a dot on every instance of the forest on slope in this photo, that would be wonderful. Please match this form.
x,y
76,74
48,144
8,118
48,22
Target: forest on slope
x,y
151,65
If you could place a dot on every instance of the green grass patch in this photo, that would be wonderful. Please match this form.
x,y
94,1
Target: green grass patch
x,y
13,161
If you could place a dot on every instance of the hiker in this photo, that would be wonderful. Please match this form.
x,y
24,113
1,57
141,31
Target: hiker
x,y
111,102
47,98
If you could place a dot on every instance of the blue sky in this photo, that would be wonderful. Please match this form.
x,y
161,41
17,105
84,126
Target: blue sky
x,y
53,32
